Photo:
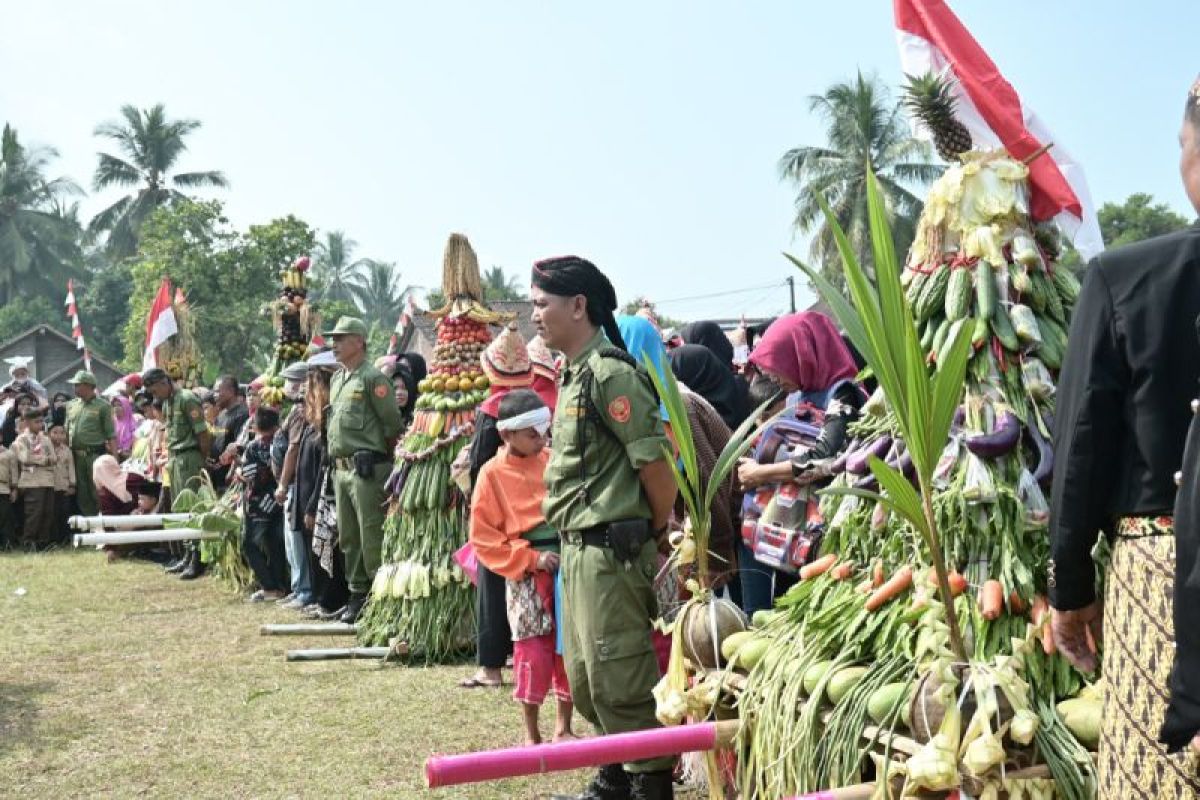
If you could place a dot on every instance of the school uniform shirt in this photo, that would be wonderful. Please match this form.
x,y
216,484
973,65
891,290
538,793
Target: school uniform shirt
x,y
36,459
64,469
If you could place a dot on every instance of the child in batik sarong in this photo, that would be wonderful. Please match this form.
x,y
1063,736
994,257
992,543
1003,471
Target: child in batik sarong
x,y
511,538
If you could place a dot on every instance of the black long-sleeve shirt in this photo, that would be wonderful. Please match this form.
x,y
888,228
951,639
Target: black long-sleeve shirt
x,y
1183,714
1129,374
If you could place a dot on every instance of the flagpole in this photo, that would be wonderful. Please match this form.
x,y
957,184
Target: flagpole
x,y
76,327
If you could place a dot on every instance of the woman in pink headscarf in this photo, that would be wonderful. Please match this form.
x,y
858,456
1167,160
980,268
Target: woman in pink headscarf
x,y
807,357
125,423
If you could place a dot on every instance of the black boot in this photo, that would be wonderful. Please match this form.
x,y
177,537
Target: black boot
x,y
354,607
610,783
194,568
652,785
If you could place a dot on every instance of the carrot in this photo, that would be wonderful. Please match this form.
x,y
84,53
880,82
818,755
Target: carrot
x,y
1015,604
991,599
877,575
842,570
1039,609
958,583
900,580
818,567
1049,647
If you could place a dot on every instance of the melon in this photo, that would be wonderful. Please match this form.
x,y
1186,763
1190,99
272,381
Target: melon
x,y
705,626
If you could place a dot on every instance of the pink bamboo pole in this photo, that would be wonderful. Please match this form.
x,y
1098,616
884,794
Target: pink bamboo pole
x,y
511,762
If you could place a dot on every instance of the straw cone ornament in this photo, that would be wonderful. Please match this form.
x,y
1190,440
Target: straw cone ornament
x,y
506,362
462,285
541,358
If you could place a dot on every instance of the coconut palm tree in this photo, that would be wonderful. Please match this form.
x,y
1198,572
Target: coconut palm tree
x,y
497,286
39,230
336,272
150,145
378,293
864,128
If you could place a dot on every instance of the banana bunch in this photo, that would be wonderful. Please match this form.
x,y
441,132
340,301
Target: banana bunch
x,y
293,279
271,394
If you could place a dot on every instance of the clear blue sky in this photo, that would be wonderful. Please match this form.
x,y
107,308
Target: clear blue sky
x,y
641,135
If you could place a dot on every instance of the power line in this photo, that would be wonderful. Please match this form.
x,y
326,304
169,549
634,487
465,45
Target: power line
x,y
775,285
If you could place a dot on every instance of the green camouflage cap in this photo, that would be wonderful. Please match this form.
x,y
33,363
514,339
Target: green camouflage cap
x,y
83,376
349,326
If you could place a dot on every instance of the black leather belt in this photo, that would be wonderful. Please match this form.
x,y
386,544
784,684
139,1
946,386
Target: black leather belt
x,y
595,536
347,462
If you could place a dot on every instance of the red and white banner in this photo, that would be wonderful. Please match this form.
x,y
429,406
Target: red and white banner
x,y
160,325
932,39
76,328
406,317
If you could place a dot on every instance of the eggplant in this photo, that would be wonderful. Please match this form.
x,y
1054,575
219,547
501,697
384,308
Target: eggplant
x,y
1002,439
839,464
1045,453
856,463
869,483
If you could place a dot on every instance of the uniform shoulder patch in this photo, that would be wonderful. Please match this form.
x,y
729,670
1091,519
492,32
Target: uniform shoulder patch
x,y
619,409
381,391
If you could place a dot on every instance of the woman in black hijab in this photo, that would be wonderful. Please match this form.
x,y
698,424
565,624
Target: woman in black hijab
x,y
700,370
709,335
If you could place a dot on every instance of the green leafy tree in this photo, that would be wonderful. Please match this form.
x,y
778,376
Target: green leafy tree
x,y
229,279
150,145
16,318
336,270
435,298
379,294
1138,218
39,234
500,287
104,305
638,303
863,125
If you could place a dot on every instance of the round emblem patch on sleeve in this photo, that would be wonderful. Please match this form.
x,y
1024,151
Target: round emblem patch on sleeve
x,y
618,409
381,391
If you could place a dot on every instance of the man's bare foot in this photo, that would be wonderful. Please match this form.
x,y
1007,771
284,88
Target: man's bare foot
x,y
565,736
532,740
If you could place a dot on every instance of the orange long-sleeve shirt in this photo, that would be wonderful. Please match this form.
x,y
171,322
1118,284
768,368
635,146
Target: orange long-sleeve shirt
x,y
507,502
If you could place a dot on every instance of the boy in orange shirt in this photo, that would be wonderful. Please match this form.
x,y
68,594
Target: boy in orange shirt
x,y
511,538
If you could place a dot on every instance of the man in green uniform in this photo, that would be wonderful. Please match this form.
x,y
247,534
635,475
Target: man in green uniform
x,y
188,442
90,434
609,493
363,425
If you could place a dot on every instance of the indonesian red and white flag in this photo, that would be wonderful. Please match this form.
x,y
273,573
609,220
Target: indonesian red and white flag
x,y
405,319
932,39
76,327
160,325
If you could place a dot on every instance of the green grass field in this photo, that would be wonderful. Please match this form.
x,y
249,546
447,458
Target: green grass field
x,y
120,681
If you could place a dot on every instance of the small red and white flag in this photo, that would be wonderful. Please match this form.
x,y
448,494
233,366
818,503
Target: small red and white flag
x,y
160,325
76,328
407,315
932,39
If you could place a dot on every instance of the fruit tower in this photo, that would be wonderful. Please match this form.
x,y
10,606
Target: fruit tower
x,y
861,647
420,596
296,320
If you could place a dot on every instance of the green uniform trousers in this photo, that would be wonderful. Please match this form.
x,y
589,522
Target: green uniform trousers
x,y
609,657
360,514
85,487
184,468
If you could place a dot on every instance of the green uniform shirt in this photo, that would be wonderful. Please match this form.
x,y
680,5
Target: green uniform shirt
x,y
89,423
184,420
362,412
594,480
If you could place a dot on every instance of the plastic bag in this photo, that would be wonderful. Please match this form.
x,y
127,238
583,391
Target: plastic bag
x,y
467,561
1025,250
1033,501
946,463
848,506
979,486
1037,379
1025,323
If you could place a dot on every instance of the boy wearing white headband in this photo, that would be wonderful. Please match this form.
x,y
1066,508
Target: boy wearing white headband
x,y
511,538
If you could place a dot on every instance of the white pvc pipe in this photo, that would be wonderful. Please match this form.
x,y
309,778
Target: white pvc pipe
x,y
143,537
101,522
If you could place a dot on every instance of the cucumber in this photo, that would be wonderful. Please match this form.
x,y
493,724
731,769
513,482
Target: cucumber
x,y
1054,304
842,682
985,290
763,617
933,295
733,642
958,294
980,335
1066,284
927,332
1038,291
912,292
813,676
1003,328
948,342
752,652
884,701
940,336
